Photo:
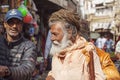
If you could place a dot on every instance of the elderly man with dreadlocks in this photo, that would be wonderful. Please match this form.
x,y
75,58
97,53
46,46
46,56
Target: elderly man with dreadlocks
x,y
70,49
72,52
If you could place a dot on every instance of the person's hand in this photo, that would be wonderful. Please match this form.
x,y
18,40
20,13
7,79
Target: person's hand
x,y
50,78
4,71
90,47
35,72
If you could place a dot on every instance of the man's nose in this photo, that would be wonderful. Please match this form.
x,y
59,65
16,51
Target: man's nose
x,y
52,38
14,24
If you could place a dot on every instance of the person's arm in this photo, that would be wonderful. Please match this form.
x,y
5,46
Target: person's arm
x,y
47,48
27,64
99,74
48,45
117,50
50,76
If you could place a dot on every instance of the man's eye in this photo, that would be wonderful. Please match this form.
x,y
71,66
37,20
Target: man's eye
x,y
54,34
9,22
12,23
18,22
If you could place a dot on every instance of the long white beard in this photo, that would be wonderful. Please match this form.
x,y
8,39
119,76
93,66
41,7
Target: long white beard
x,y
57,47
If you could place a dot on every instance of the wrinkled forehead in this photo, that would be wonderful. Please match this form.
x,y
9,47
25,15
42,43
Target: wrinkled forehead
x,y
57,22
57,27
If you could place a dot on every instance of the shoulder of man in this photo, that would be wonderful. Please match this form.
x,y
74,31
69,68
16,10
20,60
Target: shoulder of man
x,y
29,49
28,43
118,43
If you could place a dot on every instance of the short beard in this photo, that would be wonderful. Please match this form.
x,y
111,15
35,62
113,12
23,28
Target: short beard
x,y
57,47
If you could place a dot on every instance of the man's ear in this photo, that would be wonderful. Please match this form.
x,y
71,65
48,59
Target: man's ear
x,y
69,34
5,24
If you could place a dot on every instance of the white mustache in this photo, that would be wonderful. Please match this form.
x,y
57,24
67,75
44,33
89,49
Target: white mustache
x,y
56,43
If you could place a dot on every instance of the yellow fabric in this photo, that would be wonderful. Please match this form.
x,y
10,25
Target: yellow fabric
x,y
108,66
75,65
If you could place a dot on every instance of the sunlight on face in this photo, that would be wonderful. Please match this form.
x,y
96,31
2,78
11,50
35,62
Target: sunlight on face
x,y
57,47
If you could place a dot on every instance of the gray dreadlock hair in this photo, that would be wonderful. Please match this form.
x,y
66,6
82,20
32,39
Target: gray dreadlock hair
x,y
72,21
